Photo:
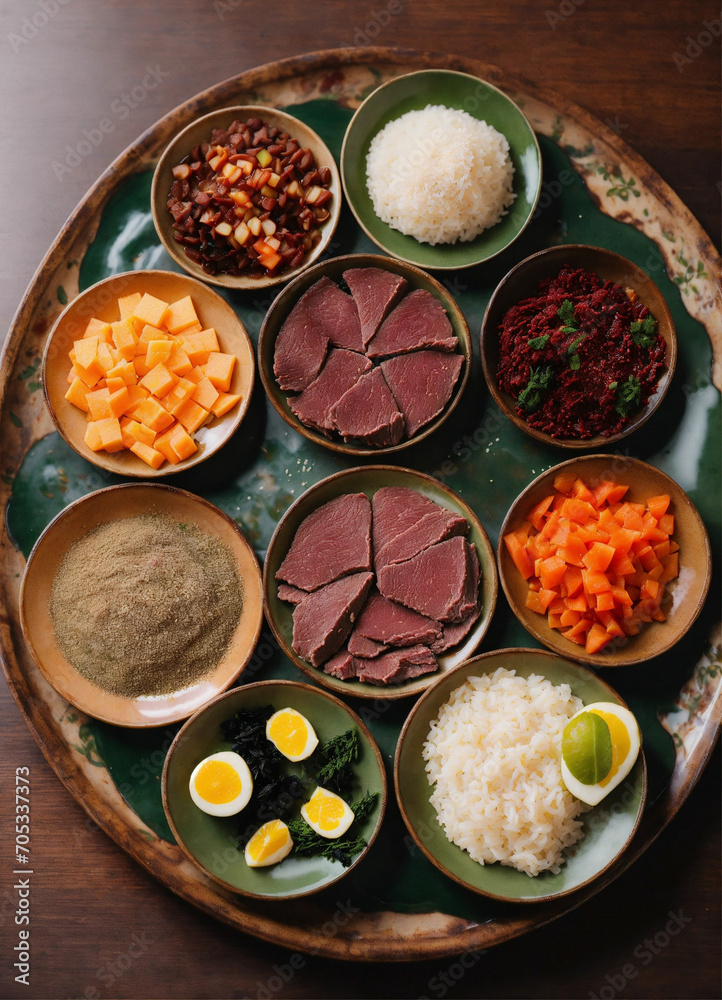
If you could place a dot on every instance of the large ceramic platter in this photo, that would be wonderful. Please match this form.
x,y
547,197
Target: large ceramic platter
x,y
595,190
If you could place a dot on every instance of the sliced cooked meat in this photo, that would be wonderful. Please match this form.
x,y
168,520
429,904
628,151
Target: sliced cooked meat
x,y
375,291
418,321
367,412
394,625
294,595
300,348
336,314
341,371
359,645
341,665
324,619
454,632
397,665
438,583
436,526
422,384
397,509
332,541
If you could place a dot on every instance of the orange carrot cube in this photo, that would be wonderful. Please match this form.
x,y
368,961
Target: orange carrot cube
x,y
100,329
76,394
219,369
149,412
182,443
205,394
225,402
181,391
125,338
86,351
127,303
99,404
159,381
149,455
124,370
148,334
180,315
149,310
158,352
191,415
110,433
119,401
178,361
163,445
92,436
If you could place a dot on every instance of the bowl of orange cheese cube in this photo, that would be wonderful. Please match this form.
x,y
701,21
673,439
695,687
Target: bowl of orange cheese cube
x,y
147,373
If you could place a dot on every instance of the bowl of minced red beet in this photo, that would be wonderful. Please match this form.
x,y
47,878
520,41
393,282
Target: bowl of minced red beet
x,y
578,346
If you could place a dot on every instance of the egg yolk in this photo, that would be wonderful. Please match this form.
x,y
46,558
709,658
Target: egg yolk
x,y
267,841
289,731
620,743
218,782
325,811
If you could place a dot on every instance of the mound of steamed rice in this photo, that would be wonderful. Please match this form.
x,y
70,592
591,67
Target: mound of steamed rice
x,y
493,757
440,175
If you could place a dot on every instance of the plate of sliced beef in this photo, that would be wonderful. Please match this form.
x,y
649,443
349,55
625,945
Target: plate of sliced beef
x,y
379,579
364,354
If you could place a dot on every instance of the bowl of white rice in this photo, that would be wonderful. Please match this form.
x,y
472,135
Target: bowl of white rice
x,y
441,169
478,779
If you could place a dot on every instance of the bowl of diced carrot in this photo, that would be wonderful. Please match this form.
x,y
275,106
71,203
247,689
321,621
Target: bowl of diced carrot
x,y
605,559
148,373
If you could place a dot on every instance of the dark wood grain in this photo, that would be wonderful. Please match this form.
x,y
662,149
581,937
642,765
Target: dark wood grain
x,y
101,926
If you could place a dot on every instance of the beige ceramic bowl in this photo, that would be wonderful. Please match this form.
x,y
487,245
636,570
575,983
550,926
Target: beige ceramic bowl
x,y
200,131
522,282
101,301
685,596
75,522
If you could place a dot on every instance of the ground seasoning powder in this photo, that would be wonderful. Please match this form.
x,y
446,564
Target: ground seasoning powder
x,y
146,605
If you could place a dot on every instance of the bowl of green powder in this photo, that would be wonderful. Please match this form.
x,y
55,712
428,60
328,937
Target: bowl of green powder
x,y
140,603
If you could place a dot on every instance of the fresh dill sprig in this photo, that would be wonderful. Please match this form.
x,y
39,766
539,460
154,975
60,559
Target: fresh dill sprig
x,y
307,842
337,756
530,395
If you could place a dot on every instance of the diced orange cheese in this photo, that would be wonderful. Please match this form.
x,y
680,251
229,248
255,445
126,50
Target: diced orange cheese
x,y
127,303
180,315
76,394
92,436
150,310
159,381
158,352
205,394
182,443
110,433
191,415
98,328
151,413
219,369
225,402
99,404
149,455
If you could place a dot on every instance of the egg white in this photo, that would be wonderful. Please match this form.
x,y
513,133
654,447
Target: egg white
x,y
234,805
593,794
345,822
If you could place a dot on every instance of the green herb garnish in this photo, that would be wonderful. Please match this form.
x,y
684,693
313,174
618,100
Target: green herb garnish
x,y
361,809
336,756
537,343
575,362
530,395
643,332
612,385
565,312
575,344
629,396
307,842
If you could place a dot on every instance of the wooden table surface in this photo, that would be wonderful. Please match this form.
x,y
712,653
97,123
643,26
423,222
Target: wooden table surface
x,y
102,927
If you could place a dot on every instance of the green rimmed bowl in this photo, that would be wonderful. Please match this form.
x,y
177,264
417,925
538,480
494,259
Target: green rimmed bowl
x,y
333,269
608,828
413,92
211,842
368,480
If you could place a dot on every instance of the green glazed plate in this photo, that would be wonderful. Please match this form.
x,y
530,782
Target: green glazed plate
x,y
368,480
211,842
608,827
595,190
454,90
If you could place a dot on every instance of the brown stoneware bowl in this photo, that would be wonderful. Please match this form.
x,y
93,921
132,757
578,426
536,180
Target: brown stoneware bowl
x,y
76,521
334,269
684,595
368,480
522,282
100,301
200,131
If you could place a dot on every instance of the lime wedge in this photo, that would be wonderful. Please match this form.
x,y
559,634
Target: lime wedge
x,y
587,748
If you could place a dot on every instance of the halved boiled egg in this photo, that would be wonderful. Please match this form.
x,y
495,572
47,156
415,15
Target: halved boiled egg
x,y
222,784
268,845
599,747
292,734
327,814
